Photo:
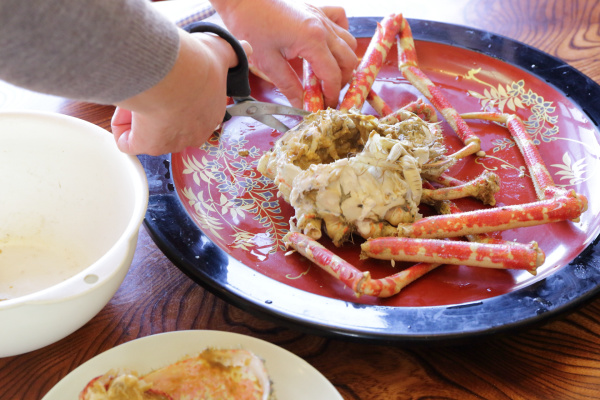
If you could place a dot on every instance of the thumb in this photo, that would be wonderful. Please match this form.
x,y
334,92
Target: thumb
x,y
233,60
121,128
247,49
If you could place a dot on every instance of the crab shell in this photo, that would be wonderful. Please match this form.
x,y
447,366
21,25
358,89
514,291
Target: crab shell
x,y
352,172
213,374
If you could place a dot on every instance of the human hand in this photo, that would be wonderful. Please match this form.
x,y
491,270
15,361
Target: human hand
x,y
280,31
186,107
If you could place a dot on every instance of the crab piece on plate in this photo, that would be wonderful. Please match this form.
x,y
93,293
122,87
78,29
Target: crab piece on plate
x,y
213,374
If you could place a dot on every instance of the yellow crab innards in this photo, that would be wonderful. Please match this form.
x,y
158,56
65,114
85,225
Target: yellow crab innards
x,y
352,172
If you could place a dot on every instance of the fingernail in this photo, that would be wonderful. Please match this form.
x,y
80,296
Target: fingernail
x,y
123,142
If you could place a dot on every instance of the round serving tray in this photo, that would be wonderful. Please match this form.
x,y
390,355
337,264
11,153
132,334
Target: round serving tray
x,y
474,68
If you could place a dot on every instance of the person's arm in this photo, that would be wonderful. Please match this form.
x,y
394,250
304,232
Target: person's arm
x,y
281,30
170,86
101,51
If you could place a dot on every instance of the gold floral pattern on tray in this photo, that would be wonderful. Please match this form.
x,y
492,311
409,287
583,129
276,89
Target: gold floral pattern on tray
x,y
542,123
243,192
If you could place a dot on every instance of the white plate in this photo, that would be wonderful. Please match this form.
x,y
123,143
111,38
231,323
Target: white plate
x,y
293,378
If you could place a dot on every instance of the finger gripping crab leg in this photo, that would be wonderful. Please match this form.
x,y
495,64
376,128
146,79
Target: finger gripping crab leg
x,y
371,63
313,93
360,282
439,251
560,208
408,65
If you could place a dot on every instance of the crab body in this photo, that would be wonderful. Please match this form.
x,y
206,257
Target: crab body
x,y
353,173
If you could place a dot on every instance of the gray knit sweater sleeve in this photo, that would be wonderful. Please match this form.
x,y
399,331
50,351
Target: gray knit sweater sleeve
x,y
100,51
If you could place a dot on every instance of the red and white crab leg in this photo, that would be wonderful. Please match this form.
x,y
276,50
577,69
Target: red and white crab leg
x,y
378,104
371,63
313,93
501,253
423,110
542,180
360,282
438,251
310,224
449,207
408,65
567,206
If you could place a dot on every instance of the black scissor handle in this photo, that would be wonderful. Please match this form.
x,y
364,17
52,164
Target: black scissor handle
x,y
238,84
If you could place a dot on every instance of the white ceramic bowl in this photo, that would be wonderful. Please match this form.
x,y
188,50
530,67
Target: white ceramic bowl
x,y
71,206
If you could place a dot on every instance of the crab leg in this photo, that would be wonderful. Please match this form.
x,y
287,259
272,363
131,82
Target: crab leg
x,y
313,93
446,207
360,282
310,224
439,251
559,208
449,207
483,188
337,230
408,65
424,111
542,180
371,63
397,116
376,229
485,252
446,180
378,104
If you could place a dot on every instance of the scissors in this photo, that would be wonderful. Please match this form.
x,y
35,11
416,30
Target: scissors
x,y
238,85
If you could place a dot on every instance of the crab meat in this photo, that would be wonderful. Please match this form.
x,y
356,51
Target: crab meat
x,y
213,374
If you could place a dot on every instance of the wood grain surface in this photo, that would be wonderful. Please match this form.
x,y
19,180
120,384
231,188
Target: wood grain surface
x,y
559,360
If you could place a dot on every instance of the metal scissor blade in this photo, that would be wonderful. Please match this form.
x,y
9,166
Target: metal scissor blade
x,y
280,109
271,121
263,112
249,107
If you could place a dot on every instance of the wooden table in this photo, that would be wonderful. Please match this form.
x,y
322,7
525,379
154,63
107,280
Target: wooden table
x,y
560,360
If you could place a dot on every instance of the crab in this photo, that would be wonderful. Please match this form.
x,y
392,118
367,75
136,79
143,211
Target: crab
x,y
348,170
351,173
214,373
